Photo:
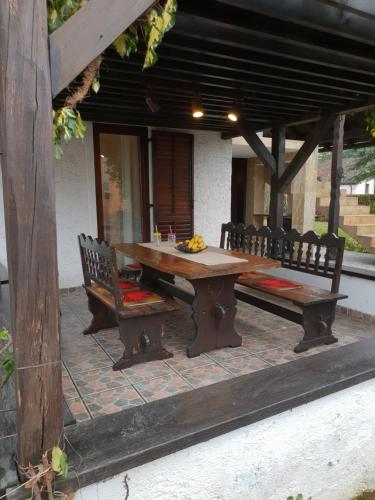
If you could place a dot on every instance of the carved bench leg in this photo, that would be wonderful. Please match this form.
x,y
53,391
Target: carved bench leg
x,y
142,340
317,322
102,317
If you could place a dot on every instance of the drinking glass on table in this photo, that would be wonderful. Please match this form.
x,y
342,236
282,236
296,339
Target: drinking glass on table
x,y
157,238
172,238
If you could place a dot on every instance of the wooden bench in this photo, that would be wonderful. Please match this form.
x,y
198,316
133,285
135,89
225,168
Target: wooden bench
x,y
312,307
141,326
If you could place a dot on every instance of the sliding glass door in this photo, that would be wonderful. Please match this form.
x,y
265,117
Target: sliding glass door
x,y
121,183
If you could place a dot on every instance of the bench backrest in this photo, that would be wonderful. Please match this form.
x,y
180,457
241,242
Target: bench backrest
x,y
308,253
99,265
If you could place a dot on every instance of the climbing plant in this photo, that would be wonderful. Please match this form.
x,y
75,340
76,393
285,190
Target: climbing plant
x,y
150,29
6,357
369,121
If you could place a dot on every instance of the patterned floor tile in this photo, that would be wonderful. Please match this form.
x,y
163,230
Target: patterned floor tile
x,y
206,375
255,345
113,400
91,359
224,353
78,409
180,361
147,371
279,356
99,380
176,345
69,390
244,364
162,387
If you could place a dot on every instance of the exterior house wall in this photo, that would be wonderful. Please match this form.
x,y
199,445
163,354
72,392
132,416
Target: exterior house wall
x,y
324,449
76,199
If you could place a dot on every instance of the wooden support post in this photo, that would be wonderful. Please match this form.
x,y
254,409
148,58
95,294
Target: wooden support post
x,y
336,174
277,197
257,145
29,205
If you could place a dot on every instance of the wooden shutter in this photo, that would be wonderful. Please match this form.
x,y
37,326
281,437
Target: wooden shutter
x,y
173,182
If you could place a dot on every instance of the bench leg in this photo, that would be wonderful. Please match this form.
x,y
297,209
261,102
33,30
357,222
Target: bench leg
x,y
142,340
214,310
317,322
102,317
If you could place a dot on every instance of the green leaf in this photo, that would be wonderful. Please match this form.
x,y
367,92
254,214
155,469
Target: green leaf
x,y
63,465
299,496
95,85
4,334
58,152
56,457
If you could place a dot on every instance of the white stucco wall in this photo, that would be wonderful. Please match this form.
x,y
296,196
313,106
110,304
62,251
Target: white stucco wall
x,y
212,184
75,205
325,449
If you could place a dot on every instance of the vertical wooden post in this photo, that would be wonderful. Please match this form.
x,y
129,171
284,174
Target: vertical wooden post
x,y
29,204
336,174
277,197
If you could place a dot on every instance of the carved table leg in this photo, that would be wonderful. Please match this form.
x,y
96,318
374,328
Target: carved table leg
x,y
102,317
214,309
141,337
317,323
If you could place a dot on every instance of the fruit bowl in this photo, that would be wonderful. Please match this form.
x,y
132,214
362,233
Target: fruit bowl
x,y
185,249
194,245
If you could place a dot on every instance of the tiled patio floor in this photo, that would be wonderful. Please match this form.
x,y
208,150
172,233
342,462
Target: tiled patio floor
x,y
92,388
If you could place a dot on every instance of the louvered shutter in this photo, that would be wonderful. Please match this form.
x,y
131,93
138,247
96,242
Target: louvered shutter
x,y
173,183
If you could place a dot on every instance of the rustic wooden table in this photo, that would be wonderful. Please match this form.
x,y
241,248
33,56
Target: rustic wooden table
x,y
214,302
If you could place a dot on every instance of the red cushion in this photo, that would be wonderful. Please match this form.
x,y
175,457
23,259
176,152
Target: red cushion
x,y
135,265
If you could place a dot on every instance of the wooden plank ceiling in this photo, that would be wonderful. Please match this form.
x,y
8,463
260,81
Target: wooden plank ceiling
x,y
288,61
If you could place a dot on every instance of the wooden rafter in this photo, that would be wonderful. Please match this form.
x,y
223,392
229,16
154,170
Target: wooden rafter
x,y
87,34
302,155
257,145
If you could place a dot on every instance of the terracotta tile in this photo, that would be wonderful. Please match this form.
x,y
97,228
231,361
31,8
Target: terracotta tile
x,y
206,375
78,409
147,371
244,364
180,361
113,400
224,353
99,380
162,387
279,356
91,359
69,390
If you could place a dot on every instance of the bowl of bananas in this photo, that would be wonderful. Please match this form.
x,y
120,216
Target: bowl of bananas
x,y
194,245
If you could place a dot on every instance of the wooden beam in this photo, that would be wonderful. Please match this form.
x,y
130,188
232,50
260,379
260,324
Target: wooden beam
x,y
302,155
30,223
87,34
336,174
257,145
277,197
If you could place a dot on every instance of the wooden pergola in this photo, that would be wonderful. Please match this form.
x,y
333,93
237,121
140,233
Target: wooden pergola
x,y
297,68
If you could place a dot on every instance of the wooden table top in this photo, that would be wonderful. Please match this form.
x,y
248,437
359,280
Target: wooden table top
x,y
178,266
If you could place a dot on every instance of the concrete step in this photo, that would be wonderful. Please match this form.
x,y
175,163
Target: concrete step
x,y
367,241
354,220
354,210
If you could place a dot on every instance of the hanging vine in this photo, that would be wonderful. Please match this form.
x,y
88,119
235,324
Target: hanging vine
x,y
160,18
369,121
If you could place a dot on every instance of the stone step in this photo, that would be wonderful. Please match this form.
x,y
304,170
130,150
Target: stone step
x,y
354,210
324,197
354,220
366,229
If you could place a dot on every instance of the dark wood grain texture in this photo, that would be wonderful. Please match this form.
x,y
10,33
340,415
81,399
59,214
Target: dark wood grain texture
x,y
92,28
29,206
178,266
337,174
277,197
257,145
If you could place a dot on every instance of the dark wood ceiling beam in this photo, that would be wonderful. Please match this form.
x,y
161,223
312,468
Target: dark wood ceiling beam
x,y
230,85
302,155
87,34
254,55
344,19
219,30
253,69
240,79
257,145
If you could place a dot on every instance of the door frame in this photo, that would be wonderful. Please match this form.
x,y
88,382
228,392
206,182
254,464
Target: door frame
x,y
141,132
